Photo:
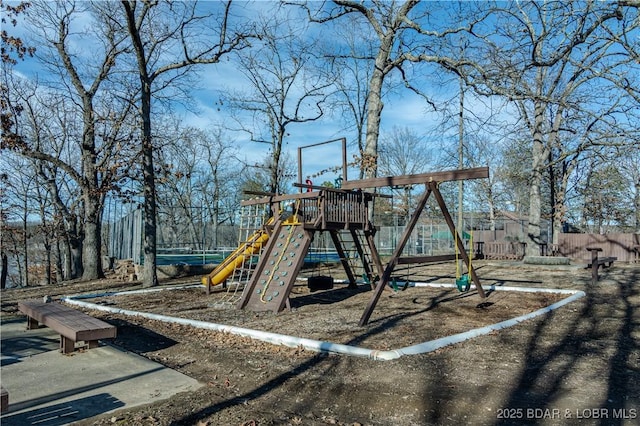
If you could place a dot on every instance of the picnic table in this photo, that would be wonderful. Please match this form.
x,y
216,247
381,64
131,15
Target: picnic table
x,y
596,262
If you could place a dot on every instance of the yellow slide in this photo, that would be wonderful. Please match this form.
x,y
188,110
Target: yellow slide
x,y
236,259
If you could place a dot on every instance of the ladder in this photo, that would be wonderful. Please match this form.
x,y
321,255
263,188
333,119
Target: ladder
x,y
354,248
252,219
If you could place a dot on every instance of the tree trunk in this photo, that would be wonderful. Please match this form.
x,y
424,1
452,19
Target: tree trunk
x,y
150,223
370,153
150,217
561,208
558,216
74,262
16,255
539,157
48,263
148,173
553,197
92,243
492,208
636,203
59,265
369,166
275,167
91,253
375,106
25,245
460,155
5,270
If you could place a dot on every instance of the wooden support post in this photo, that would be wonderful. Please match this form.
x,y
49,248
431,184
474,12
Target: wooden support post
x,y
32,323
594,263
4,400
67,345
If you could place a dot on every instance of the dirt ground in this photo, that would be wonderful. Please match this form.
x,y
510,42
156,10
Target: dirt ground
x,y
579,364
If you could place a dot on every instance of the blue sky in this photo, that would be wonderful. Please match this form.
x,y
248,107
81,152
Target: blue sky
x,y
402,109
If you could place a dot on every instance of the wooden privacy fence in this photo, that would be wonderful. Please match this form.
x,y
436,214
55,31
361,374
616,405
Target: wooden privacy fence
x,y
626,247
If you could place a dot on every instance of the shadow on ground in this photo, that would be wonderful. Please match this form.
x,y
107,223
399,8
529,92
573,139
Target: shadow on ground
x,y
66,412
601,334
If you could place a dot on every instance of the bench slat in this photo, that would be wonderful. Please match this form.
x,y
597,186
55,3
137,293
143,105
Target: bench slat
x,y
602,261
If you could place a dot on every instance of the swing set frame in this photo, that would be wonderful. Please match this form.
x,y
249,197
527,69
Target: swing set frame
x,y
432,183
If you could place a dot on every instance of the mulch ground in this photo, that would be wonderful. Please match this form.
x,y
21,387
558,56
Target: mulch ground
x,y
560,368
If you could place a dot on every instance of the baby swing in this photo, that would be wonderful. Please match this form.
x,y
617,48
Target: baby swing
x,y
318,281
463,282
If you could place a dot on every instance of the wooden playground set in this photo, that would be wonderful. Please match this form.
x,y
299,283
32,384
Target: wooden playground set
x,y
275,241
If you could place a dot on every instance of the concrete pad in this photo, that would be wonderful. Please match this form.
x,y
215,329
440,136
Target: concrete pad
x,y
48,388
546,260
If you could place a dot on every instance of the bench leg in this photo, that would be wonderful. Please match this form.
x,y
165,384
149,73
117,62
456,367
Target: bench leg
x,y
594,272
4,400
32,323
92,344
67,345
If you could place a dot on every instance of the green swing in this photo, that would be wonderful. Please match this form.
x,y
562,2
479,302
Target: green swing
x,y
463,282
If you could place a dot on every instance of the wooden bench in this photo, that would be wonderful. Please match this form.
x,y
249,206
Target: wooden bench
x,y
597,261
73,325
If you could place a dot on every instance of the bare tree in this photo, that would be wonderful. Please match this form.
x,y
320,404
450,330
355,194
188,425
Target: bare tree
x,y
285,90
221,186
168,40
12,49
404,152
49,123
405,34
4,229
350,63
54,25
630,166
387,21
178,197
552,80
197,184
607,203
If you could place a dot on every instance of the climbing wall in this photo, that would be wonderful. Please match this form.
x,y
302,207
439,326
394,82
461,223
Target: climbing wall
x,y
277,269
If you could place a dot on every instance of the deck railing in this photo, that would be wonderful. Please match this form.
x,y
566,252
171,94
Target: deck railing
x,y
344,207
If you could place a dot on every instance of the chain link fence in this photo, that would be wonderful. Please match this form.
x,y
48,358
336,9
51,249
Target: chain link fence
x,y
199,241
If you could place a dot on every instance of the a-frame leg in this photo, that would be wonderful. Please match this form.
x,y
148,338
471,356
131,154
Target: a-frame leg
x,y
393,261
431,188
